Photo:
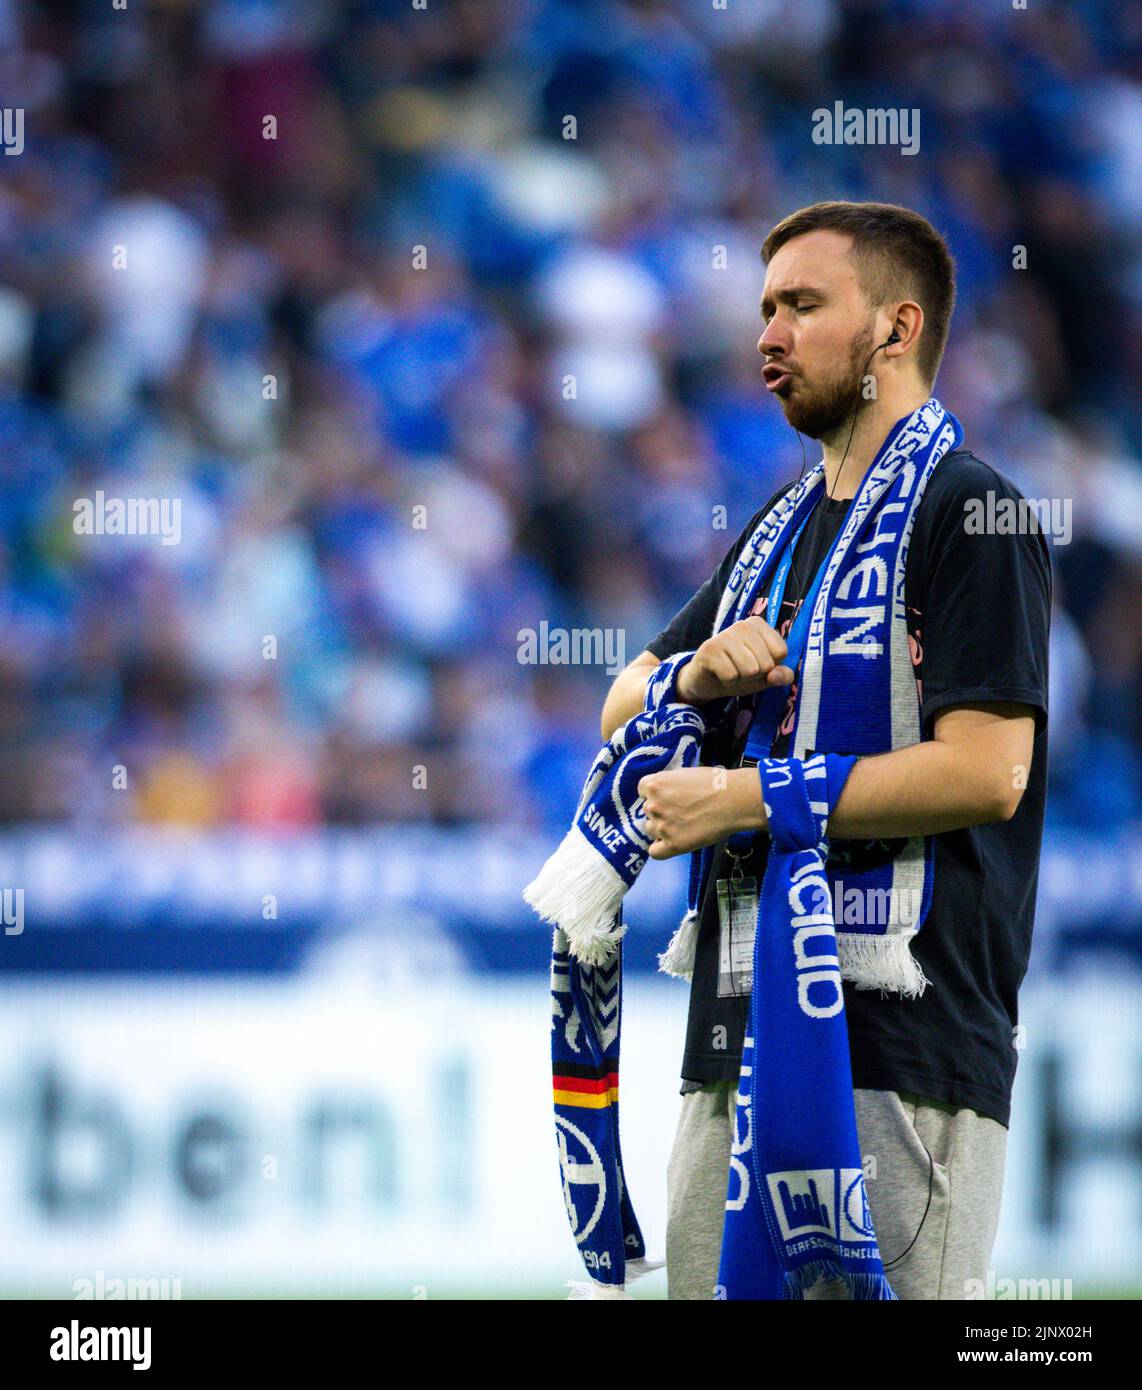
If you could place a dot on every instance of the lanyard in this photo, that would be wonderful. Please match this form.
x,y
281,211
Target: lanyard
x,y
770,703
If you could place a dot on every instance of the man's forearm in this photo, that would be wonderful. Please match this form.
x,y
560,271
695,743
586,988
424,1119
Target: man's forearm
x,y
625,698
925,789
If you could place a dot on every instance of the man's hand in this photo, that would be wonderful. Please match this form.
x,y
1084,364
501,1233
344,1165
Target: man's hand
x,y
743,659
698,806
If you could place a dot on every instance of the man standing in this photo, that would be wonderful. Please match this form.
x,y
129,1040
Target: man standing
x,y
857,304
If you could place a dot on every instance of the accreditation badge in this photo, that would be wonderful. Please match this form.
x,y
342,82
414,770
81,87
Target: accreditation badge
x,y
737,926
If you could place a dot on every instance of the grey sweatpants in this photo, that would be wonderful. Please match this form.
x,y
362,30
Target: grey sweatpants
x,y
934,1199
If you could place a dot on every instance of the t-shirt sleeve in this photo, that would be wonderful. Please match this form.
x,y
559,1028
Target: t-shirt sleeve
x,y
986,602
694,622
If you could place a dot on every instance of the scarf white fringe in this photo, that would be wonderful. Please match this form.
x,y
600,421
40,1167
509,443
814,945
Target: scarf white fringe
x,y
881,962
678,958
869,962
582,1289
579,892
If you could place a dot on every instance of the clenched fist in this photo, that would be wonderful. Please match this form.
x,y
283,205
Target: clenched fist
x,y
743,659
695,806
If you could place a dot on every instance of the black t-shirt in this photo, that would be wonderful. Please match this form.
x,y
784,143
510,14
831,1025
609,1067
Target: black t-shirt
x,y
978,614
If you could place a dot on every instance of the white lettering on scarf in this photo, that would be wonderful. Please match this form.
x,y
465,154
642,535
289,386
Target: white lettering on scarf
x,y
820,968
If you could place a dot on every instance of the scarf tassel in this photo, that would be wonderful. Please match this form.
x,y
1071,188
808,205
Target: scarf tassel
x,y
583,1289
863,1288
578,892
678,958
881,962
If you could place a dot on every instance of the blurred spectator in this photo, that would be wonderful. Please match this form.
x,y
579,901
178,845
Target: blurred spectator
x,y
440,325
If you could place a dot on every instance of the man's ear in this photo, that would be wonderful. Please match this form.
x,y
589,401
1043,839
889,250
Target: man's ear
x,y
907,323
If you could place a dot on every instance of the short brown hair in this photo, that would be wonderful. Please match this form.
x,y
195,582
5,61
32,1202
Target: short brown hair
x,y
899,255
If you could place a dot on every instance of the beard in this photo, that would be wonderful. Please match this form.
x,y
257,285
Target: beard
x,y
828,406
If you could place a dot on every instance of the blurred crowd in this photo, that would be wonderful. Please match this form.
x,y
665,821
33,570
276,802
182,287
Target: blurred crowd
x,y
440,323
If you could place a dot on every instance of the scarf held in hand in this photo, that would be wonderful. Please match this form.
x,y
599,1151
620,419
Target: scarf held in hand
x,y
857,696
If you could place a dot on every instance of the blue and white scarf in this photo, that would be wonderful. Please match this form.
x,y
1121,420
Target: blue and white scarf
x,y
857,696
582,885
796,1206
580,889
857,688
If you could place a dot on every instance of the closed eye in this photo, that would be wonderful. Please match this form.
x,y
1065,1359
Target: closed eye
x,y
798,307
